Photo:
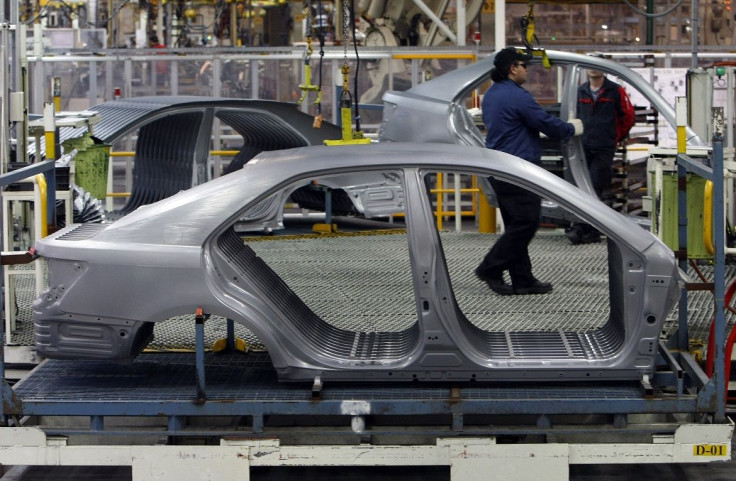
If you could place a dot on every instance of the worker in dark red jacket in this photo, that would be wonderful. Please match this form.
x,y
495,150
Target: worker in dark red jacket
x,y
607,115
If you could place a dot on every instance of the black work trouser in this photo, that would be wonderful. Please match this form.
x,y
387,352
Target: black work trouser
x,y
600,166
520,210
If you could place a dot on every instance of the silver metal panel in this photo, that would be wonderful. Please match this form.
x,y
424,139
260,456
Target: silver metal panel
x,y
118,117
180,254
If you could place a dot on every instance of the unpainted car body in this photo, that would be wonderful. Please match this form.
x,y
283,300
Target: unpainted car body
x,y
435,111
108,284
174,137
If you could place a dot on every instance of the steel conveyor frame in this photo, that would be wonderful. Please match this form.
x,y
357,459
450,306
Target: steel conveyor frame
x,y
678,370
245,385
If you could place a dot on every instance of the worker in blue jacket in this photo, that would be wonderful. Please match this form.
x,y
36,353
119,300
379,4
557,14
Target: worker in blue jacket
x,y
513,120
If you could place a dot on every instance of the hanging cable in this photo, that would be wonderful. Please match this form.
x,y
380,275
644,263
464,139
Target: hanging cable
x,y
349,136
357,66
308,86
41,14
653,15
345,23
321,38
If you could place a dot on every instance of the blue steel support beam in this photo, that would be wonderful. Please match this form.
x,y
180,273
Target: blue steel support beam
x,y
457,422
674,366
388,407
695,166
719,277
175,423
258,422
199,356
328,206
25,172
97,423
50,176
230,336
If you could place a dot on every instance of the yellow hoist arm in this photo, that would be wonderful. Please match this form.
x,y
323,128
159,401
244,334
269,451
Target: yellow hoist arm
x,y
308,86
349,136
530,32
530,25
545,59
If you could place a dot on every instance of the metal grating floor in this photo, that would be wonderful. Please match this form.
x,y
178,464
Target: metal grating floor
x,y
364,284
251,378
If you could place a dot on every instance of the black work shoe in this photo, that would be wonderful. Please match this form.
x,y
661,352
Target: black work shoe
x,y
575,236
496,284
500,287
536,287
590,238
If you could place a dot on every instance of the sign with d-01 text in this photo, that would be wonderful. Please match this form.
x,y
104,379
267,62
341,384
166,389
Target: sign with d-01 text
x,y
710,450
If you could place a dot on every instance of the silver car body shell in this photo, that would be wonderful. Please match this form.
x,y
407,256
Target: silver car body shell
x,y
107,282
434,111
174,137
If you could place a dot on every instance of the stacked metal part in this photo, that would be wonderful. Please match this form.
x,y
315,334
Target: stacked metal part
x,y
85,208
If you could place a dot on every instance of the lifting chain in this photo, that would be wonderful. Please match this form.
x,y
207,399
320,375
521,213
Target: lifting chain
x,y
308,86
346,116
528,27
529,36
308,26
345,33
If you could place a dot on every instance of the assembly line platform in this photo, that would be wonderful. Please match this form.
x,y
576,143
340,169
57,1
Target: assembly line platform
x,y
165,384
245,385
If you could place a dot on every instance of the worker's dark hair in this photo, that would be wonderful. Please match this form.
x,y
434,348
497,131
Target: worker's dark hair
x,y
503,61
497,75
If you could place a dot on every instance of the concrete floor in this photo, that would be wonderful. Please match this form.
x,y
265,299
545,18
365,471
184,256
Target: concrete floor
x,y
669,472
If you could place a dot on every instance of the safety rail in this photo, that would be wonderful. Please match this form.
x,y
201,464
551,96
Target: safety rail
x,y
212,152
714,173
47,170
33,170
263,73
37,195
480,209
486,217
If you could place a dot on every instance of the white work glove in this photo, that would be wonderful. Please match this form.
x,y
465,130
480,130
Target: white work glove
x,y
578,125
